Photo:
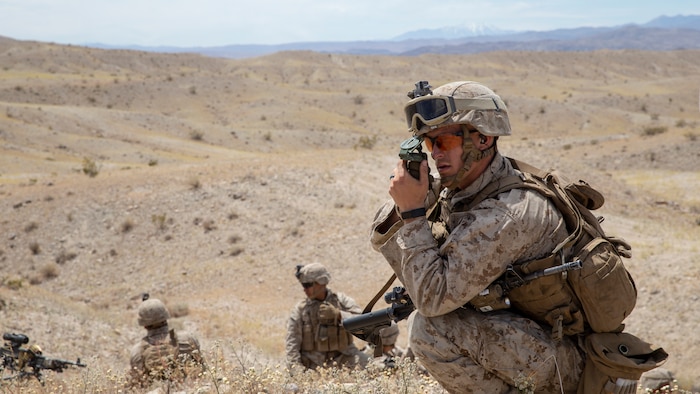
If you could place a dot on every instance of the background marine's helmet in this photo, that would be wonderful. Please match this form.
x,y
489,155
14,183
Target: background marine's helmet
x,y
152,312
314,272
463,102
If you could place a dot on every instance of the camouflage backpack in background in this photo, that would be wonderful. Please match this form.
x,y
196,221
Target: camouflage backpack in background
x,y
160,359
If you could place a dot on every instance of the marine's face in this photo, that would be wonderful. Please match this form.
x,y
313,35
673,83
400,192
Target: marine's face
x,y
315,291
446,144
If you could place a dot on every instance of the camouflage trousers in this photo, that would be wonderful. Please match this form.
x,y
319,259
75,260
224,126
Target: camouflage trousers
x,y
467,351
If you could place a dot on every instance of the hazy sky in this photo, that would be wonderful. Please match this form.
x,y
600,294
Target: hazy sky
x,y
222,22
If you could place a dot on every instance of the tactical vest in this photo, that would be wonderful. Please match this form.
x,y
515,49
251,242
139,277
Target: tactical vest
x,y
322,336
596,297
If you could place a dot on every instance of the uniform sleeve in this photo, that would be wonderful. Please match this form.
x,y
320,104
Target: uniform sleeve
x,y
348,306
136,368
293,337
382,229
483,242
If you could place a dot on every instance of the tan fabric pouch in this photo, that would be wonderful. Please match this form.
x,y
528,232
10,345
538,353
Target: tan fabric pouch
x,y
616,361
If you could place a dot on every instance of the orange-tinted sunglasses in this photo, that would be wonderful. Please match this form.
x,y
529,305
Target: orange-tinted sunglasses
x,y
445,141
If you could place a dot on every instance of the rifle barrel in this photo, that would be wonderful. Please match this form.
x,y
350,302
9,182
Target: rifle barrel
x,y
358,324
570,266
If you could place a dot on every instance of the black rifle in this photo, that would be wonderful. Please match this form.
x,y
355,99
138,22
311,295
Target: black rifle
x,y
366,326
495,296
26,363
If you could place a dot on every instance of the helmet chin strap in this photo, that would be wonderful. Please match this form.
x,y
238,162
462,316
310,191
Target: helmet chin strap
x,y
470,156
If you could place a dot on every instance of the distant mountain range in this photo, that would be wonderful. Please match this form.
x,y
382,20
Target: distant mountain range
x,y
660,34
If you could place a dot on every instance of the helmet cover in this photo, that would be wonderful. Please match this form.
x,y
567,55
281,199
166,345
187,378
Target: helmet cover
x,y
487,122
314,272
152,312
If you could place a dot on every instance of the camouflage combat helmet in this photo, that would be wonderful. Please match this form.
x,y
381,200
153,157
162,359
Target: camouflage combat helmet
x,y
462,102
35,349
152,312
314,272
466,103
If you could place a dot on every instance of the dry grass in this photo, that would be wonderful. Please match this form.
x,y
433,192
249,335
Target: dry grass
x,y
245,371
294,158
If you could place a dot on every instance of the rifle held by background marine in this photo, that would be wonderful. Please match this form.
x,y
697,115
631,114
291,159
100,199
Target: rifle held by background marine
x,y
27,362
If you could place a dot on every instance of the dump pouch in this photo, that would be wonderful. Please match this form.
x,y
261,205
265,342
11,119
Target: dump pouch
x,y
604,287
615,359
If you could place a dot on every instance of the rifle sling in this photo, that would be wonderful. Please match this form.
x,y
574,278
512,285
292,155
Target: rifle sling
x,y
374,300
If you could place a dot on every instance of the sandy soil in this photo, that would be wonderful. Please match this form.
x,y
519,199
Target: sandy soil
x,y
216,177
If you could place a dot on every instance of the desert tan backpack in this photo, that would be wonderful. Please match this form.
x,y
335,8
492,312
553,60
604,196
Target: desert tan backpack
x,y
600,293
160,359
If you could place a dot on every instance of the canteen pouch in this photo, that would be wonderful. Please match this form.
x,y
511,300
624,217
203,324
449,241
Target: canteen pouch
x,y
616,361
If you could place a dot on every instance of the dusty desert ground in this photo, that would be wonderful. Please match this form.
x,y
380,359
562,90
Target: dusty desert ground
x,y
214,178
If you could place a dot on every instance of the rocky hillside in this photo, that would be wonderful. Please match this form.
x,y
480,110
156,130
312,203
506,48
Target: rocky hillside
x,y
204,181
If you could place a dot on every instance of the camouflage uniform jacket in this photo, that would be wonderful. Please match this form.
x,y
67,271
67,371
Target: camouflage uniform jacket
x,y
304,314
188,350
460,346
518,225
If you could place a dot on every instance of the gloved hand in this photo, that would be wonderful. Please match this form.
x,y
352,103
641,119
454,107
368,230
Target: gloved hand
x,y
328,314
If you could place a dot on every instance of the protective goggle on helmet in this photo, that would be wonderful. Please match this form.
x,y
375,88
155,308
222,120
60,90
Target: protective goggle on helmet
x,y
461,102
433,110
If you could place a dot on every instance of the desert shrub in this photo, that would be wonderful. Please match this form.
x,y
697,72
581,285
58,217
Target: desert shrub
x,y
209,225
235,251
654,130
90,168
194,183
196,135
31,226
64,256
35,248
160,221
50,270
126,226
366,142
179,310
359,100
14,282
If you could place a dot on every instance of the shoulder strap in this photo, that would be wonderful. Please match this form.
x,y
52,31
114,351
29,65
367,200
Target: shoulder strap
x,y
173,338
544,183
